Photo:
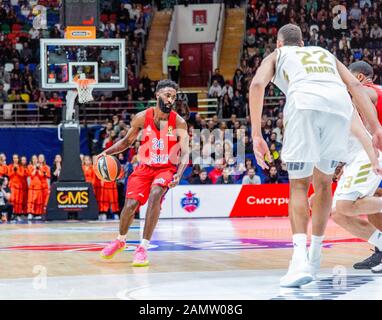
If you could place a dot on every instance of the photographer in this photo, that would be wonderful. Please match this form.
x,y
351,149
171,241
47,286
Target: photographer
x,y
5,196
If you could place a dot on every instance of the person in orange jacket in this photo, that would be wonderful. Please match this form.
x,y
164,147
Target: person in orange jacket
x,y
24,164
45,179
88,170
35,193
3,165
16,184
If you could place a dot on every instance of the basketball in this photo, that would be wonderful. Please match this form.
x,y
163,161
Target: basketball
x,y
107,168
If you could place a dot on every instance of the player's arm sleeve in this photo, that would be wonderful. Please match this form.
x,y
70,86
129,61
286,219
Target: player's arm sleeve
x,y
259,82
360,98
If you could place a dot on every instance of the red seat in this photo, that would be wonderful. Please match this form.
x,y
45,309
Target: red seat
x,y
13,38
104,18
16,27
273,31
113,17
262,30
252,31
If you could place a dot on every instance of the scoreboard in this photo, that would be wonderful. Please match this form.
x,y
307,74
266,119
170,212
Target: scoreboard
x,y
81,12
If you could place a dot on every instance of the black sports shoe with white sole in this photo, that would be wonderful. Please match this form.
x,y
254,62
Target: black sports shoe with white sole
x,y
370,262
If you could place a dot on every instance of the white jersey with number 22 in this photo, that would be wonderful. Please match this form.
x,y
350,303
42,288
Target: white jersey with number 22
x,y
310,77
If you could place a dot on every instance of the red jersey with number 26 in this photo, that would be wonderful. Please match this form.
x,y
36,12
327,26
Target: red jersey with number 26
x,y
159,148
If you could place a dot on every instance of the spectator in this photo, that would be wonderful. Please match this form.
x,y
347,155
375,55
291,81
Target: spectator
x,y
215,90
272,176
56,167
272,149
283,174
251,177
226,106
273,140
173,64
5,198
375,32
43,105
238,104
3,165
218,77
355,12
227,89
57,104
248,145
231,122
3,94
225,178
194,174
279,131
217,171
202,178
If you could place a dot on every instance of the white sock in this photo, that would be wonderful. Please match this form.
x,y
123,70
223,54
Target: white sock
x,y
376,239
145,243
315,247
122,237
299,247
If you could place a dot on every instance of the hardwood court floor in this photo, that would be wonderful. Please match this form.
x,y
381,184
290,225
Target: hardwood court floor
x,y
190,259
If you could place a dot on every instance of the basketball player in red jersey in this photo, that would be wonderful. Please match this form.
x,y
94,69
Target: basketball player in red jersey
x,y
163,157
357,191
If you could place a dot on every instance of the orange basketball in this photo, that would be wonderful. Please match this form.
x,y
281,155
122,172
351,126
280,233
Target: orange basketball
x,y
107,168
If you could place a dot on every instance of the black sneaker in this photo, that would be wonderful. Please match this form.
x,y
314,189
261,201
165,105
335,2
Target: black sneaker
x,y
372,261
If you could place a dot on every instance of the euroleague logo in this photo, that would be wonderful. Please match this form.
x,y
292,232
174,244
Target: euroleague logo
x,y
190,203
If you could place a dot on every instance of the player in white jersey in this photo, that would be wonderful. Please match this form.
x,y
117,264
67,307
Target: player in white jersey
x,y
317,118
355,193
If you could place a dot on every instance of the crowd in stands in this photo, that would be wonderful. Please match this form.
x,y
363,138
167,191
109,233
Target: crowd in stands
x,y
361,39
19,52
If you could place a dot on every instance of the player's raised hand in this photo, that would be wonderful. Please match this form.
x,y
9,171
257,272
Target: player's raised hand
x,y
260,149
377,139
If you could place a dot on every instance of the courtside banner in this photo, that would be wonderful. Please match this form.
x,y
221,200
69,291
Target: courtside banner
x,y
212,201
202,201
265,200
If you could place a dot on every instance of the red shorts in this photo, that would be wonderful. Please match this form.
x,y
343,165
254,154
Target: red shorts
x,y
143,177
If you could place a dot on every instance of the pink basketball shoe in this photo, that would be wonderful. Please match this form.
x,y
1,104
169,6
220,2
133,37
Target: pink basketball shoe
x,y
140,257
112,249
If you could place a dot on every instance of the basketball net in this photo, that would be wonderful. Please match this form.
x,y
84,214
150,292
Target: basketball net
x,y
84,88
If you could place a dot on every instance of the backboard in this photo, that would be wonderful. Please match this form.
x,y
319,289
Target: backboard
x,y
103,60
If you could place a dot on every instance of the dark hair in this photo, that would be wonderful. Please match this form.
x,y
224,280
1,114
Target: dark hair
x,y
290,34
166,84
362,67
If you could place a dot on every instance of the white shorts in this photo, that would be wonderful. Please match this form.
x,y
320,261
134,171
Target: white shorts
x,y
358,180
314,137
300,170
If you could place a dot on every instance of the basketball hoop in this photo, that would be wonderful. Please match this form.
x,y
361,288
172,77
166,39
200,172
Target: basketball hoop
x,y
84,88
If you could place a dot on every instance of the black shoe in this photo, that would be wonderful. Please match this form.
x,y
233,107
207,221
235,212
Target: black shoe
x,y
372,261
